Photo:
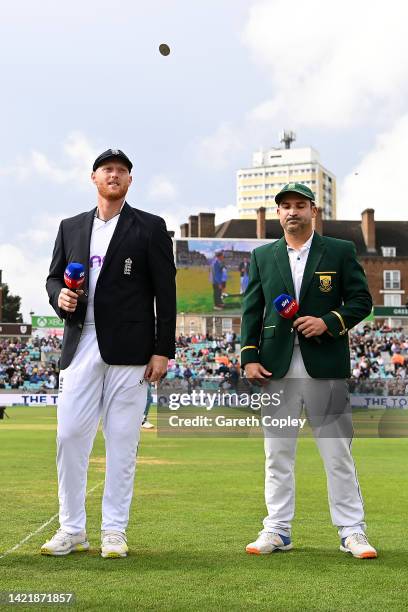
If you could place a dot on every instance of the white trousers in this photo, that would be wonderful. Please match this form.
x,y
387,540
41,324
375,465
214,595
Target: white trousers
x,y
91,390
345,501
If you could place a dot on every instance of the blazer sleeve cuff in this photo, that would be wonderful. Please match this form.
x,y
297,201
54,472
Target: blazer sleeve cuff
x,y
335,323
249,354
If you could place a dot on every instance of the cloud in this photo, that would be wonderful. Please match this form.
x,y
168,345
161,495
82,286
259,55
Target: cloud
x,y
215,151
329,64
379,180
25,276
44,232
162,189
79,155
225,213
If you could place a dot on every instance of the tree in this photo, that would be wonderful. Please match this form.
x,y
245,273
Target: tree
x,y
11,306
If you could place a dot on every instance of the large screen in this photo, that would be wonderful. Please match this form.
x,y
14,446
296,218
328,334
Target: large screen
x,y
212,274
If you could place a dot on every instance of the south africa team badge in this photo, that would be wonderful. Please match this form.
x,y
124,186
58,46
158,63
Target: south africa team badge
x,y
325,283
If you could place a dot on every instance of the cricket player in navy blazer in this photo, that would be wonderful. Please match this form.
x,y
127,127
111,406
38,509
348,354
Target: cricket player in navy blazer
x,y
119,334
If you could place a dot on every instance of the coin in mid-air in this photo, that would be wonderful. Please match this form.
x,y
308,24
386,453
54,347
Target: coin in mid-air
x,y
164,49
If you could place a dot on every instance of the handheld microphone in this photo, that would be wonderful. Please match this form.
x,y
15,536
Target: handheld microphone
x,y
74,276
288,308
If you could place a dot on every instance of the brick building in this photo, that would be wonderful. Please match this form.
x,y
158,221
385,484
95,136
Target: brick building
x,y
382,248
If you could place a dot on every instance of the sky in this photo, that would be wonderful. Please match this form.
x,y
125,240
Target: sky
x,y
83,76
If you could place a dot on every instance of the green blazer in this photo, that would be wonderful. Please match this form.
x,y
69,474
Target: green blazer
x,y
334,287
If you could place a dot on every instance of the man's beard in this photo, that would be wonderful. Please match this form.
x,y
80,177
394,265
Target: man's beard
x,y
294,228
106,193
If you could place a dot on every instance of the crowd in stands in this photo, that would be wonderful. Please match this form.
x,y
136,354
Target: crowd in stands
x,y
30,365
378,353
204,357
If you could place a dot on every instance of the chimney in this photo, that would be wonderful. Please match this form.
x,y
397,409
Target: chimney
x,y
193,226
260,223
206,225
170,233
368,229
184,230
318,222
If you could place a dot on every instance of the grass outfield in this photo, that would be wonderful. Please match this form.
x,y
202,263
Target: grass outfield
x,y
197,503
191,299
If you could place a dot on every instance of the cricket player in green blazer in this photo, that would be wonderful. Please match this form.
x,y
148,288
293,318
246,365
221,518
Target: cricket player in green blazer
x,y
311,352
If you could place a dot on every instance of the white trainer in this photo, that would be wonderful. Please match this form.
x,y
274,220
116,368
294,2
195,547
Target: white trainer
x,y
267,542
147,425
63,543
358,545
114,545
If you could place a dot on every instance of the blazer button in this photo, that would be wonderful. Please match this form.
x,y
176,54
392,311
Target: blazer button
x,y
80,325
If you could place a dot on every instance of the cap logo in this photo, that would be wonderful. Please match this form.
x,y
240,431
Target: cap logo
x,y
292,186
115,151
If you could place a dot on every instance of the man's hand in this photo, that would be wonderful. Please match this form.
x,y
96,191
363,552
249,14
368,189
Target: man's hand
x,y
67,299
310,326
256,371
156,368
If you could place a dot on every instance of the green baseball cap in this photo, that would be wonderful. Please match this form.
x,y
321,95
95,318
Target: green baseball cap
x,y
299,188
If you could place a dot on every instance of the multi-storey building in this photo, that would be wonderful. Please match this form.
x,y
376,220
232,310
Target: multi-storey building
x,y
272,169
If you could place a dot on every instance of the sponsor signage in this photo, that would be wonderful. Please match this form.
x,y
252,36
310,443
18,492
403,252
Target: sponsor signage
x,y
390,311
28,399
15,329
51,399
45,322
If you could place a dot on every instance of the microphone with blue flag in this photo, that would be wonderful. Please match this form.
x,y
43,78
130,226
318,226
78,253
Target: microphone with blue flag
x,y
288,308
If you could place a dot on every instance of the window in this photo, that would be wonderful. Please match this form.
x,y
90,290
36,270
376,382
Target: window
x,y
226,325
389,251
392,279
392,299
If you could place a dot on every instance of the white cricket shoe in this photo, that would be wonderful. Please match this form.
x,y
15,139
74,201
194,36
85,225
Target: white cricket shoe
x,y
267,542
114,545
147,425
63,543
358,545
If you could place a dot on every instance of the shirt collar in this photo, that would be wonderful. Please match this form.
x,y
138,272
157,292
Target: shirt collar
x,y
304,246
96,215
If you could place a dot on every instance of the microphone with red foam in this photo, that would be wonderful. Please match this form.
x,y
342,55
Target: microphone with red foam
x,y
288,308
74,276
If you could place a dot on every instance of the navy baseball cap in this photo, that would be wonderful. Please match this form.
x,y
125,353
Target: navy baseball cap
x,y
114,154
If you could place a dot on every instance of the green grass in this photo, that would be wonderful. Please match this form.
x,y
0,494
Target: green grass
x,y
197,503
190,299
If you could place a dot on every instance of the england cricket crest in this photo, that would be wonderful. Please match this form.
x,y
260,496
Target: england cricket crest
x,y
325,283
128,266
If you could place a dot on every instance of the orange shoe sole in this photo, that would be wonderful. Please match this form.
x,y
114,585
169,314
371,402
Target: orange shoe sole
x,y
368,555
253,551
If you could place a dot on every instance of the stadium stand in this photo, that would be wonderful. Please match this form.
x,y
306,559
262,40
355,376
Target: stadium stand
x,y
31,365
378,353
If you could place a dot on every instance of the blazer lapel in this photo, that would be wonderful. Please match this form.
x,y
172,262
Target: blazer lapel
x,y
283,265
124,222
317,249
85,243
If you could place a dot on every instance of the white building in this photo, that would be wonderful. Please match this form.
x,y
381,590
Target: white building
x,y
272,169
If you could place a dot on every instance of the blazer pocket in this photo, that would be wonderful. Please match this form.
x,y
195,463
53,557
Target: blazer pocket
x,y
269,332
